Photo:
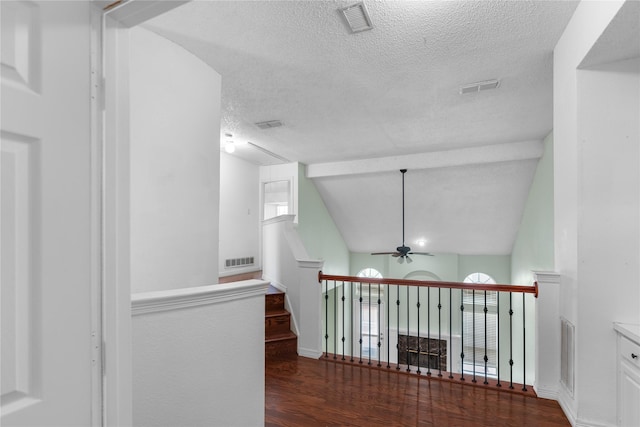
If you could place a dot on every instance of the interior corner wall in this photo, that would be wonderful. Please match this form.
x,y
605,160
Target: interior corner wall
x,y
533,247
318,231
239,214
597,287
175,160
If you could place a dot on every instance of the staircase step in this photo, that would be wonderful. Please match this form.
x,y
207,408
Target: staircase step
x,y
274,302
276,323
283,346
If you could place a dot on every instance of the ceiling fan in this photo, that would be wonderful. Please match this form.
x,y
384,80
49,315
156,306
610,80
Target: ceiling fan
x,y
403,252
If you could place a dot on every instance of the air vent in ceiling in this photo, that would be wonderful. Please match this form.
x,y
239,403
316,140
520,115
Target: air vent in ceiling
x,y
357,17
479,86
269,124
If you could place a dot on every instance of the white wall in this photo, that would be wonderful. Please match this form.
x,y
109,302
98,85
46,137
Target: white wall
x,y
175,128
198,356
596,211
239,213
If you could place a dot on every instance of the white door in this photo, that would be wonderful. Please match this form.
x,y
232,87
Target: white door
x,y
48,224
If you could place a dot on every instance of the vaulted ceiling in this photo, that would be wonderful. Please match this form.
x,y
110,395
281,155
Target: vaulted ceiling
x,y
357,107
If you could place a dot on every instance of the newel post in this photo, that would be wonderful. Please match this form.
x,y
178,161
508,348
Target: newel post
x,y
547,362
310,324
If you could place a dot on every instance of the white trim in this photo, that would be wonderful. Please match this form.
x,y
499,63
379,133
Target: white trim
x,y
277,219
310,263
546,392
176,299
97,216
567,409
112,124
310,353
546,276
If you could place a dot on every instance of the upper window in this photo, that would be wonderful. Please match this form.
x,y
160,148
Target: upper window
x,y
479,278
480,327
370,272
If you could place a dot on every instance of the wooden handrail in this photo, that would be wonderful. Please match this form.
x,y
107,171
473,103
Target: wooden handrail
x,y
525,289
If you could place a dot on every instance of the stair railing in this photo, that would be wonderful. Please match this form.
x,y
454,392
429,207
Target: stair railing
x,y
480,334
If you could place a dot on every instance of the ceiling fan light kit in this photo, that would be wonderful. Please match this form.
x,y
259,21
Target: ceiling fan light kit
x,y
402,252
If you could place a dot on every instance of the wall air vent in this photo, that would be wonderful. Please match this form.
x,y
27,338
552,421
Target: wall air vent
x,y
479,86
357,17
238,262
567,354
269,124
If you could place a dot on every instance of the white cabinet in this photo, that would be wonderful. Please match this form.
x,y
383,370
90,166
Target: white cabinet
x,y
628,375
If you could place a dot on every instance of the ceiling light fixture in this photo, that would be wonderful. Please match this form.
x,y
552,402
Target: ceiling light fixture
x,y
229,145
479,86
357,17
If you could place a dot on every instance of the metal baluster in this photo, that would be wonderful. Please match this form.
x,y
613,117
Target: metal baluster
x,y
428,331
510,342
524,347
326,318
398,327
387,292
343,319
369,318
450,356
473,327
351,301
498,332
360,325
486,359
408,332
335,321
439,332
379,343
418,338
461,335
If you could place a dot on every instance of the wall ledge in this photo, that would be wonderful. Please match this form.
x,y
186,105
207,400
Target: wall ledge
x,y
546,276
176,299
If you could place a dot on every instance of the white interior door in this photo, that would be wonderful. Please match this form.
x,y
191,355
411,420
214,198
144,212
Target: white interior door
x,y
49,336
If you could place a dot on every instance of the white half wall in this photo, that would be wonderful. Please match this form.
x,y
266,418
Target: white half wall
x,y
175,131
198,356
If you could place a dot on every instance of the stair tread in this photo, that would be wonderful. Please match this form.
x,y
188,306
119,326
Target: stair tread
x,y
272,290
276,313
282,336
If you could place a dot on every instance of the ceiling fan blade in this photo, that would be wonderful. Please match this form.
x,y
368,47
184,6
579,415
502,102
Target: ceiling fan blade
x,y
421,253
383,253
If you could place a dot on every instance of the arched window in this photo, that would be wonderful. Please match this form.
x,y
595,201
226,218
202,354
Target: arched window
x,y
479,278
370,272
478,340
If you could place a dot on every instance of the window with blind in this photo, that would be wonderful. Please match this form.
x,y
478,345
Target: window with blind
x,y
480,331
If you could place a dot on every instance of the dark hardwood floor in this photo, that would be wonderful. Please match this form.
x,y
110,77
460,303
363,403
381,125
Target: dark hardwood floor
x,y
306,392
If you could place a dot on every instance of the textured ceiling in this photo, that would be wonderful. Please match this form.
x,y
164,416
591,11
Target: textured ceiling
x,y
384,94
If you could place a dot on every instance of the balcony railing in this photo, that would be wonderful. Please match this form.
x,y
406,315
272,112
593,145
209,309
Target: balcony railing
x,y
464,332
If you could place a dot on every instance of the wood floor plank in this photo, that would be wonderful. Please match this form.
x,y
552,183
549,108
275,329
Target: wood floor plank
x,y
307,392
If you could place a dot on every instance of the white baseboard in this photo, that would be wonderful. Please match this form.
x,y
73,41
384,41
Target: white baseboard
x,y
566,408
310,353
547,392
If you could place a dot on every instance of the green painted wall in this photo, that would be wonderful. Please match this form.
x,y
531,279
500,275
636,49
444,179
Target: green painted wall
x,y
533,248
496,266
316,228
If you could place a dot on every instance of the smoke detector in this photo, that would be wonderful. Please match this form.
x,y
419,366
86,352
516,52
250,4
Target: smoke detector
x,y
357,17
479,86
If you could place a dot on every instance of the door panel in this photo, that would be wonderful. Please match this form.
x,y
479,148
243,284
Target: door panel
x,y
46,214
